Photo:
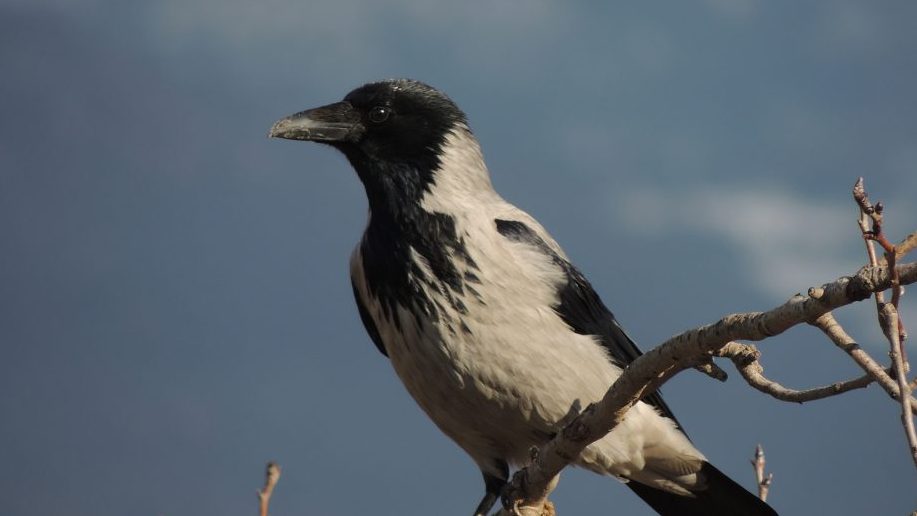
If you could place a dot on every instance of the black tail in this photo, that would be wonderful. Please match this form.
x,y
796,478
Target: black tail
x,y
721,497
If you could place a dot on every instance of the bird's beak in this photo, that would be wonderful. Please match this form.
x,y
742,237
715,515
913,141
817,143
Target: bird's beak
x,y
338,122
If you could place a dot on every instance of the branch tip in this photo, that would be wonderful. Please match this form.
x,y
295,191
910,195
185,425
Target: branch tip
x,y
763,481
271,476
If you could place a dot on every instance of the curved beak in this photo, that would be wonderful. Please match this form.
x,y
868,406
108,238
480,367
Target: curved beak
x,y
338,122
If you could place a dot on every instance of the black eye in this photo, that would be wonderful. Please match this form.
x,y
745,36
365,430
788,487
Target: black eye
x,y
379,114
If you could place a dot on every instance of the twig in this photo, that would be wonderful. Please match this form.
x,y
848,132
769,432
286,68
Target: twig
x,y
906,245
745,357
889,318
271,476
712,370
529,487
868,211
763,481
891,315
902,248
829,325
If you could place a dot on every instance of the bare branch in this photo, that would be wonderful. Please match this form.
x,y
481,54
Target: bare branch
x,y
829,325
867,209
891,315
745,357
863,221
874,212
902,248
906,245
529,487
763,481
889,319
271,476
862,200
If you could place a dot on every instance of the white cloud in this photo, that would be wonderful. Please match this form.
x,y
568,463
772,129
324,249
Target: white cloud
x,y
787,242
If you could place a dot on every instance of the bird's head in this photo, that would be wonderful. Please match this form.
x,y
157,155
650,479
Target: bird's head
x,y
399,122
395,133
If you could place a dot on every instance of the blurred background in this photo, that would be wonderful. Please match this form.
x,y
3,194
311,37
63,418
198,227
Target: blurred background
x,y
176,308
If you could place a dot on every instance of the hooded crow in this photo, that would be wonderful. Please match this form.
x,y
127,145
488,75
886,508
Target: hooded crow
x,y
492,330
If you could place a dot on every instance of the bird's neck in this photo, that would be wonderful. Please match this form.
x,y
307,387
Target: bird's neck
x,y
404,194
417,216
401,234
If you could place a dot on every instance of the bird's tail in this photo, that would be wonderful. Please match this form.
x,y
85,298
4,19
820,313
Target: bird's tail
x,y
721,496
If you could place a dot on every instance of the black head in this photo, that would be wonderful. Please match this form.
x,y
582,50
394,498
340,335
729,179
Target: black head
x,y
398,122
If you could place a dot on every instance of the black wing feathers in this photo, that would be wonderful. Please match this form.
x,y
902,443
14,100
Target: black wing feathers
x,y
581,308
722,496
368,322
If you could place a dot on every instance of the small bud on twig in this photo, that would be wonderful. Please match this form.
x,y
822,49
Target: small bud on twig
x,y
764,481
271,476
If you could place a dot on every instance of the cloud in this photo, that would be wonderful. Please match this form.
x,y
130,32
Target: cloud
x,y
787,242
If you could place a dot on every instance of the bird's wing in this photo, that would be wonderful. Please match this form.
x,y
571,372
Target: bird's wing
x,y
580,306
368,321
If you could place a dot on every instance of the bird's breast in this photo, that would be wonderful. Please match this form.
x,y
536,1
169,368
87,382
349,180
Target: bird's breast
x,y
484,354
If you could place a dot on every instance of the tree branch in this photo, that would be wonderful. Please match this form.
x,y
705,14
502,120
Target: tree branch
x,y
829,325
889,318
529,488
745,357
902,248
890,314
868,211
906,245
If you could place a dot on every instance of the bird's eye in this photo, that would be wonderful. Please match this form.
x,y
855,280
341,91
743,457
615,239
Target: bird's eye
x,y
379,114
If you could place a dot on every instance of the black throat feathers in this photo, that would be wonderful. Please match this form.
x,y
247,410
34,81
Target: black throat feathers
x,y
409,253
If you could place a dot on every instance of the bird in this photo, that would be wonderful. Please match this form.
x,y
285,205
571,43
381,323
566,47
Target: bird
x,y
493,331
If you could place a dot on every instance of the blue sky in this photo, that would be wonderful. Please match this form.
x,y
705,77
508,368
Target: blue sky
x,y
176,309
